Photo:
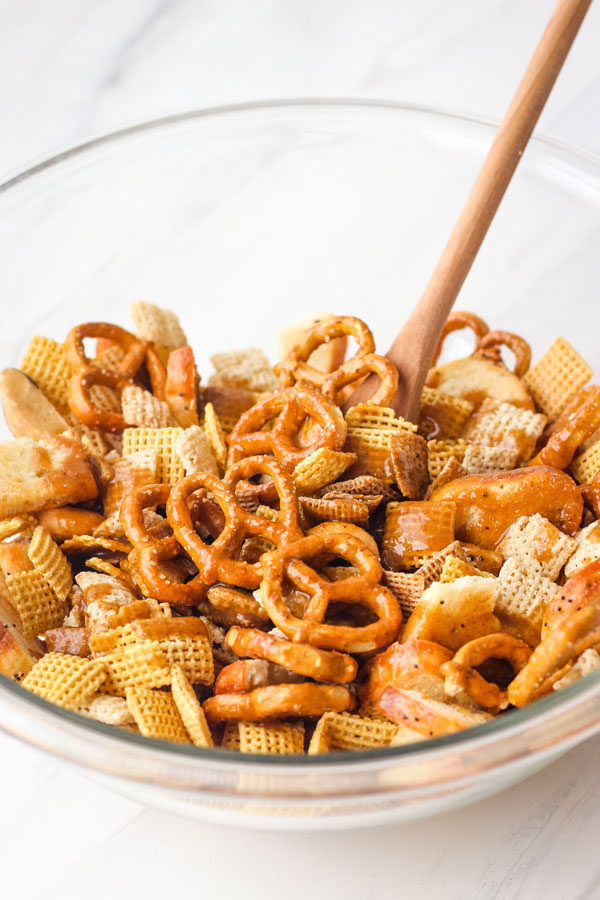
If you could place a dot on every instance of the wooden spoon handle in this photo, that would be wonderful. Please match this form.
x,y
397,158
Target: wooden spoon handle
x,y
413,349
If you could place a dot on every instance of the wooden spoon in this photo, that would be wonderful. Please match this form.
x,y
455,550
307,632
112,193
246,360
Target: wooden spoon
x,y
413,348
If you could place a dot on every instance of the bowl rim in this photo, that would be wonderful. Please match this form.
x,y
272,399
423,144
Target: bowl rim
x,y
539,713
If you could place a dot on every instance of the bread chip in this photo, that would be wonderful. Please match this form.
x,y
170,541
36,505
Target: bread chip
x,y
68,681
320,469
534,536
190,710
276,738
48,560
557,377
587,549
416,530
46,364
161,326
429,717
137,469
36,603
156,715
336,509
16,658
440,452
195,452
169,468
142,408
442,415
249,369
453,614
108,710
407,587
586,466
524,594
408,458
506,426
216,436
27,411
479,459
345,731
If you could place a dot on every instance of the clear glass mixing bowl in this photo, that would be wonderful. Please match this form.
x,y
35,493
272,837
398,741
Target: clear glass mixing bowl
x,y
241,219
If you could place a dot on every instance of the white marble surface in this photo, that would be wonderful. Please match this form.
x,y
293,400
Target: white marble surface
x,y
71,69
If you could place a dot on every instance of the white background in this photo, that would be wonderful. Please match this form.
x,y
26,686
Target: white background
x,y
72,69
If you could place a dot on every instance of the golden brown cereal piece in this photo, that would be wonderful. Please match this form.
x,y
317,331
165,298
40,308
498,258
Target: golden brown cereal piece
x,y
586,466
18,525
442,416
524,594
16,658
454,568
231,737
479,459
192,714
537,537
128,667
587,549
451,470
142,408
506,426
475,379
50,472
586,663
416,530
407,587
156,715
362,484
275,737
46,364
379,418
216,436
161,326
229,403
408,459
85,542
249,369
162,441
27,411
340,509
195,451
50,562
108,710
431,570
132,471
428,717
320,469
68,681
344,731
453,614
556,378
441,452
36,603
487,505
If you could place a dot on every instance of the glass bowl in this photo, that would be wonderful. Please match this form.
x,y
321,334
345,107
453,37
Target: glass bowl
x,y
241,219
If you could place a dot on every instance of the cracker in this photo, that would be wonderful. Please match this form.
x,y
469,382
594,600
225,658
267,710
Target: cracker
x,y
340,509
408,458
556,378
455,568
216,436
505,425
479,459
107,709
161,326
442,451
372,416
195,452
46,364
169,468
50,562
156,715
534,536
36,603
249,369
345,731
190,710
68,681
416,530
407,587
320,469
524,595
586,466
142,408
442,415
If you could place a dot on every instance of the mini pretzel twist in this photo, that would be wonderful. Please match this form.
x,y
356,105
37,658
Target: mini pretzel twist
x,y
278,701
217,562
291,409
488,347
86,373
151,551
461,673
322,665
295,366
356,369
362,589
456,321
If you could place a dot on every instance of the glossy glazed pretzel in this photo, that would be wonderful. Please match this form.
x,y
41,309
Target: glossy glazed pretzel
x,y
290,409
363,589
218,562
461,673
489,347
456,321
357,368
295,366
278,701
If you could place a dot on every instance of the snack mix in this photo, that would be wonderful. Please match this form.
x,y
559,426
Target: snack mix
x,y
258,563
